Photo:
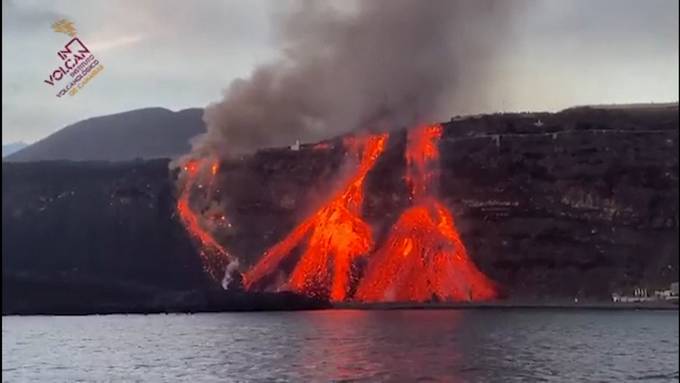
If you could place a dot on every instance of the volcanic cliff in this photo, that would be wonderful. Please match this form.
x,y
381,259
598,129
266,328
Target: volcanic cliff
x,y
579,203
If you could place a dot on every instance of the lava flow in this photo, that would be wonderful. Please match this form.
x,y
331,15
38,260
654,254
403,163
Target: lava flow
x,y
423,257
335,235
215,257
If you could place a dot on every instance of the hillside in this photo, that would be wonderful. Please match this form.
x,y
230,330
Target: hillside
x,y
137,134
582,204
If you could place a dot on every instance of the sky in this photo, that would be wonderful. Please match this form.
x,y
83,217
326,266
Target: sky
x,y
182,54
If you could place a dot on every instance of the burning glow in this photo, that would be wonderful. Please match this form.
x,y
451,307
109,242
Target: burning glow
x,y
423,257
322,146
335,234
421,153
214,255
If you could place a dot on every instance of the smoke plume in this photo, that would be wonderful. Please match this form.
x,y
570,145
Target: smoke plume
x,y
397,62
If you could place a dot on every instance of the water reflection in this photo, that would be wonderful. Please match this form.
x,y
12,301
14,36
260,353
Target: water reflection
x,y
325,346
350,345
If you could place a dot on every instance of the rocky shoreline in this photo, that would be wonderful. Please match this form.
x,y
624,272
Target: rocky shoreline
x,y
181,303
253,305
510,305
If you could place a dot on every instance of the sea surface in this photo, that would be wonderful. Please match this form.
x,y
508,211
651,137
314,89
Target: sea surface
x,y
508,345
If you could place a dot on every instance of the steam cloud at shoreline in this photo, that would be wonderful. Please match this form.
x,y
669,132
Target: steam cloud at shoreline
x,y
394,62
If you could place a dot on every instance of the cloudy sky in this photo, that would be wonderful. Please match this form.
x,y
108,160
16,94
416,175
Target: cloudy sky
x,y
181,54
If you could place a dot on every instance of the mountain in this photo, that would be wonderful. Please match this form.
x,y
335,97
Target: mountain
x,y
582,205
12,148
143,133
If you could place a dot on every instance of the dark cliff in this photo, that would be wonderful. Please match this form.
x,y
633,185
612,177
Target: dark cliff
x,y
578,203
98,237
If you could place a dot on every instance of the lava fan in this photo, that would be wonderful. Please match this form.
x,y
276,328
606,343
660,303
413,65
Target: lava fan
x,y
214,256
333,237
423,257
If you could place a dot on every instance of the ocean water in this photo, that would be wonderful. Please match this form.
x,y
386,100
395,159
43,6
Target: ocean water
x,y
345,345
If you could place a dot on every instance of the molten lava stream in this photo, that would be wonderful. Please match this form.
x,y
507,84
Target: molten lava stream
x,y
423,257
215,257
335,235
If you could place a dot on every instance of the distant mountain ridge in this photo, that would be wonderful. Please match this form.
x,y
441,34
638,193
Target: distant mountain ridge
x,y
138,134
12,148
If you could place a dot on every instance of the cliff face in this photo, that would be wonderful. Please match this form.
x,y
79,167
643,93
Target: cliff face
x,y
109,222
585,205
578,203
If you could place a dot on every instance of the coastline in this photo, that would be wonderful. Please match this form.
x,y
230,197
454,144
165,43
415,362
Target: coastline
x,y
505,305
315,306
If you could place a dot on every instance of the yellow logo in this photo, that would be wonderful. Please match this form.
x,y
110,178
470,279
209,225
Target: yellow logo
x,y
64,26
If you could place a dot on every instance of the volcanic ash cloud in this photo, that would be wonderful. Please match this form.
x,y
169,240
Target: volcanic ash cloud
x,y
400,62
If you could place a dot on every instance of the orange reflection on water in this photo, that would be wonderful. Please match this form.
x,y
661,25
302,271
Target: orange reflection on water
x,y
370,345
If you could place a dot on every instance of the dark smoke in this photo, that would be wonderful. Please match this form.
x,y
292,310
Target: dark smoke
x,y
391,61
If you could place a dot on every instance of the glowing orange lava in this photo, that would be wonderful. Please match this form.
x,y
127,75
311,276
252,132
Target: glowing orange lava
x,y
214,255
421,154
322,146
423,257
336,235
